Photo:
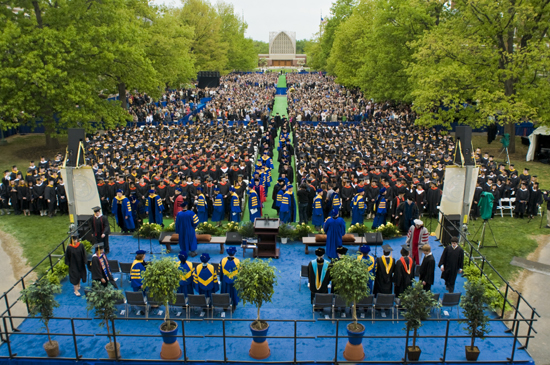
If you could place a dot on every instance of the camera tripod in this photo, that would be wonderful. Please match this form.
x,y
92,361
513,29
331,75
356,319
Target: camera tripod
x,y
480,243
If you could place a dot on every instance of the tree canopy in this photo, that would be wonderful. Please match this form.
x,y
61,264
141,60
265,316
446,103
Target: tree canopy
x,y
60,60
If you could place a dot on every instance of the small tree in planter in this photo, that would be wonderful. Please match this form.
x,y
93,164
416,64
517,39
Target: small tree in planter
x,y
102,300
162,280
351,276
255,284
474,303
41,301
286,231
417,304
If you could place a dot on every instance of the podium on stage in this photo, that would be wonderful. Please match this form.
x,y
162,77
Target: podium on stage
x,y
267,230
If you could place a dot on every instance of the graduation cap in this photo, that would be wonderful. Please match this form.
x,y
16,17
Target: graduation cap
x,y
319,252
342,250
387,248
98,245
406,248
141,252
96,209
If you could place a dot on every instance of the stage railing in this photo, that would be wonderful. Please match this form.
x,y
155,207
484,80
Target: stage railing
x,y
10,299
503,286
118,336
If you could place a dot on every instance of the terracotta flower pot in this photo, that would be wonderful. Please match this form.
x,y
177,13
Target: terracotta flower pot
x,y
110,347
472,353
170,349
413,353
354,348
52,348
259,348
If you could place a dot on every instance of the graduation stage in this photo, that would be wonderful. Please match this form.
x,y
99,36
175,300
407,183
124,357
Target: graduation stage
x,y
288,304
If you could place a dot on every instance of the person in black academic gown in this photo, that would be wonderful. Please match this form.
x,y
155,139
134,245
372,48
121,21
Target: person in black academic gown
x,y
101,272
385,267
75,258
318,274
427,269
451,263
101,228
404,271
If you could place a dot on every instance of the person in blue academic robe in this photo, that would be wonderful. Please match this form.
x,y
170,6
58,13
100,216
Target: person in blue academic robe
x,y
253,203
154,207
279,198
380,209
228,271
371,263
205,280
235,206
136,271
202,207
134,204
335,198
317,216
122,210
287,213
335,228
358,207
186,222
218,206
186,280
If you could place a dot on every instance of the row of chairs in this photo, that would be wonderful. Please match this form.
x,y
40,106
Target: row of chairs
x,y
382,301
137,299
124,268
508,204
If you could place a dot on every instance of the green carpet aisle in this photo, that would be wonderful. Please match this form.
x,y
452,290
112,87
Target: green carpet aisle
x,y
282,81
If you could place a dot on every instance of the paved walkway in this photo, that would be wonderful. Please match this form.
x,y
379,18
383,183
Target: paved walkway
x,y
533,286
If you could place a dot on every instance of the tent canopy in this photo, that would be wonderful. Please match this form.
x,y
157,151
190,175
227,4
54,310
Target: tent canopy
x,y
533,139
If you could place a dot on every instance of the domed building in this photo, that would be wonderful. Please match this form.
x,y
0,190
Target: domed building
x,y
282,50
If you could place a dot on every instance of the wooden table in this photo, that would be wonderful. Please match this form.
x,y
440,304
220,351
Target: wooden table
x,y
310,241
215,241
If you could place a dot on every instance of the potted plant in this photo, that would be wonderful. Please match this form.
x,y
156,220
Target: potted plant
x,y
351,277
246,230
207,228
41,301
255,283
301,230
388,230
150,230
285,232
359,229
417,304
102,300
162,280
474,304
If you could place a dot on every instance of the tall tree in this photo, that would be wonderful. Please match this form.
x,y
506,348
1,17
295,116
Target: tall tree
x,y
207,46
241,55
486,60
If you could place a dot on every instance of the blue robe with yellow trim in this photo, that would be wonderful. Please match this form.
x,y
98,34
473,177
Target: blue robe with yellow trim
x,y
186,222
219,208
287,212
381,211
205,280
154,206
228,270
136,278
126,212
357,209
317,218
371,265
235,208
202,209
254,206
186,282
336,203
334,229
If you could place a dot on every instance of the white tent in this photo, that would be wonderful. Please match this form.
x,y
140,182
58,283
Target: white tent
x,y
533,140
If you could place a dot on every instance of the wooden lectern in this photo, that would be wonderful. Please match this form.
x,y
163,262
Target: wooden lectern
x,y
267,230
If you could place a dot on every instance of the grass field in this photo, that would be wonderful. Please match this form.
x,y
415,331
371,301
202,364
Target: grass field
x,y
38,235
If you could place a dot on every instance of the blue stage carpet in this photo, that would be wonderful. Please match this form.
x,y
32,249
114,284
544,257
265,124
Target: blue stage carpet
x,y
288,303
